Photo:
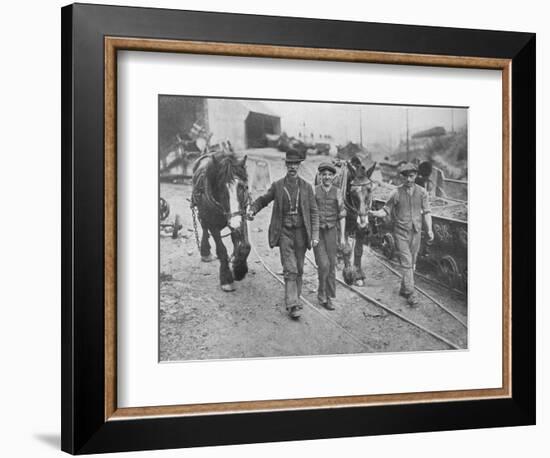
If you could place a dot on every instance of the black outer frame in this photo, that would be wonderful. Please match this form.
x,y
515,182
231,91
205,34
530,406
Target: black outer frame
x,y
84,429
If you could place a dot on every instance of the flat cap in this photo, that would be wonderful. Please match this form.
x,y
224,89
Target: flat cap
x,y
326,166
407,167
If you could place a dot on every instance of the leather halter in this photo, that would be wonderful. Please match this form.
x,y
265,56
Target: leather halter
x,y
349,205
241,212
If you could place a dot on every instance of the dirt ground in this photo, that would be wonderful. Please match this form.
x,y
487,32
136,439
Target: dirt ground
x,y
200,321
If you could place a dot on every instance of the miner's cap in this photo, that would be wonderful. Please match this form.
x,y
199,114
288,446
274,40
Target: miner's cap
x,y
408,167
326,166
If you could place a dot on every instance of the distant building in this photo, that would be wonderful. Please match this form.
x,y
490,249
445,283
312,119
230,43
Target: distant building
x,y
433,132
245,123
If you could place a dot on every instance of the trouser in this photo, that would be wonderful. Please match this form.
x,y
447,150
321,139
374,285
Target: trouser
x,y
407,243
292,248
325,257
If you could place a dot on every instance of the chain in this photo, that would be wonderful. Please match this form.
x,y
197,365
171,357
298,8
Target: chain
x,y
193,211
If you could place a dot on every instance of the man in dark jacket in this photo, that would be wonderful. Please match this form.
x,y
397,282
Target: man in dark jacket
x,y
294,226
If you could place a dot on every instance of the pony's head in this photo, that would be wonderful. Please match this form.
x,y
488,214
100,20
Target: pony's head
x,y
230,178
360,190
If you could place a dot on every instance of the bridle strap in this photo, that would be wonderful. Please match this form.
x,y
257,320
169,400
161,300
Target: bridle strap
x,y
242,212
348,204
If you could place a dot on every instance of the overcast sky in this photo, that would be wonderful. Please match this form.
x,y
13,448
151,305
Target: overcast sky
x,y
381,123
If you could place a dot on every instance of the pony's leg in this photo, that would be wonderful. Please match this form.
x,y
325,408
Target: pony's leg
x,y
206,255
235,242
241,250
226,277
357,257
349,271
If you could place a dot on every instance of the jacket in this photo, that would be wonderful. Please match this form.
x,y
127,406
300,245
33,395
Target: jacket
x,y
308,206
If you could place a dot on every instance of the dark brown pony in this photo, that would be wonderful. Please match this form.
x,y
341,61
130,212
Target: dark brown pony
x,y
220,194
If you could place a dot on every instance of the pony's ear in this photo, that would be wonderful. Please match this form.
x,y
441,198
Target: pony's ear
x,y
355,161
243,161
371,170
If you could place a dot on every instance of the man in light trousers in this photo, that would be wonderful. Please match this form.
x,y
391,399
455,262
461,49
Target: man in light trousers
x,y
407,206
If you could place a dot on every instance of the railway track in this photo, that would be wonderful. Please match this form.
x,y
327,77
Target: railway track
x,y
425,278
364,296
353,334
420,290
391,310
309,304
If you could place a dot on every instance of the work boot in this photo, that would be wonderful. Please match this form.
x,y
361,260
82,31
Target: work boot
x,y
291,293
412,300
329,305
295,311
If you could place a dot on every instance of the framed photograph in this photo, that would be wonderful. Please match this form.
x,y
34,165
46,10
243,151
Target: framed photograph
x,y
285,229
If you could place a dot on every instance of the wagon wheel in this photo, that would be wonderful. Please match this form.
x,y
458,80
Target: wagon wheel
x,y
164,209
462,235
388,245
176,227
448,269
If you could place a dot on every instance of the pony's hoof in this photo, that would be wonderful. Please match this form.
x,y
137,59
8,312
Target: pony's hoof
x,y
228,288
239,271
208,258
349,275
359,283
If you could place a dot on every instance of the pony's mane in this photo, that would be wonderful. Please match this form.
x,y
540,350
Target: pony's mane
x,y
225,168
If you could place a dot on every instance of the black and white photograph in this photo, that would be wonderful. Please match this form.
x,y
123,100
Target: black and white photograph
x,y
299,228
275,229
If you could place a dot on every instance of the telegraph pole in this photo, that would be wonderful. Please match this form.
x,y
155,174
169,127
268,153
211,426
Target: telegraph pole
x,y
407,134
452,121
360,127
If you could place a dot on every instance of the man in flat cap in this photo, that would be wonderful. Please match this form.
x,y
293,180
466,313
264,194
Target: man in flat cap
x,y
294,226
332,214
407,206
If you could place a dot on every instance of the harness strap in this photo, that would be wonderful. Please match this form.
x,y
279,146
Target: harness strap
x,y
295,211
